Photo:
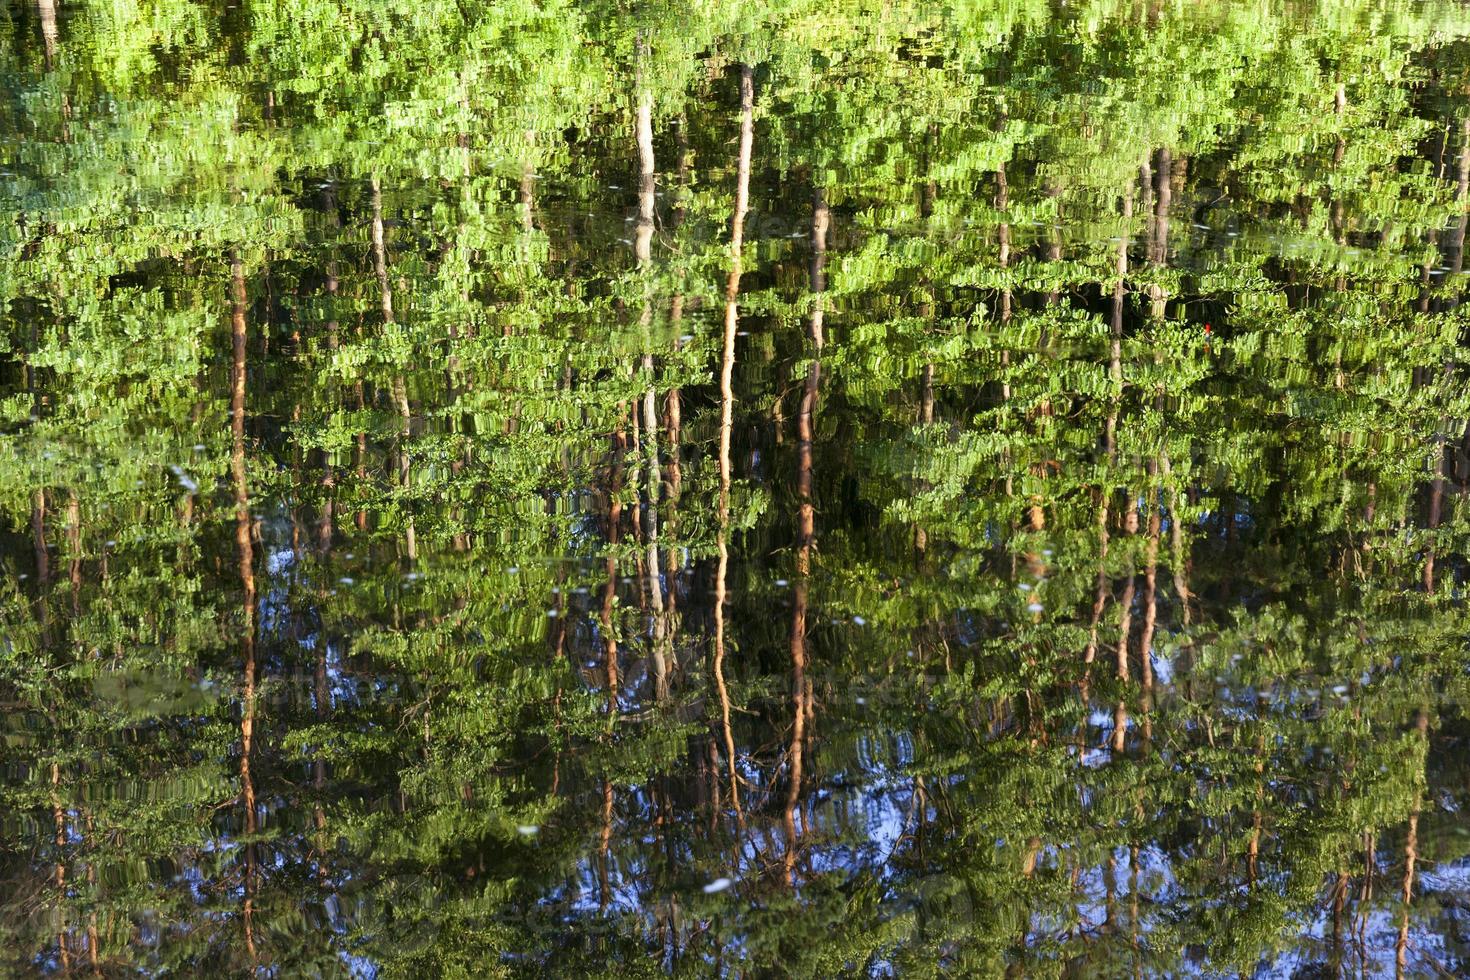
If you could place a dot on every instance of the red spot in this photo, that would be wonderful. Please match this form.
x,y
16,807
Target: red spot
x,y
1207,328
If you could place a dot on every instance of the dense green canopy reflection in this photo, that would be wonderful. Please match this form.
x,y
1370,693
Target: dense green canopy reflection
x,y
776,489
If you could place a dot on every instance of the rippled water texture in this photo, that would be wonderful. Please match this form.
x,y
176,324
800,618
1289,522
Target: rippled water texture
x,y
793,488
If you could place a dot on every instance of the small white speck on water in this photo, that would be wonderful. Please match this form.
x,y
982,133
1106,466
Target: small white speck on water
x,y
718,885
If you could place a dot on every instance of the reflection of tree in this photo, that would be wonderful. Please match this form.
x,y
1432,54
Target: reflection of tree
x,y
1167,684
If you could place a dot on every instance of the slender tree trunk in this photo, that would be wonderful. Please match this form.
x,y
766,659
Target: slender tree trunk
x,y
1150,610
1125,628
1133,905
1180,555
1110,429
49,34
673,406
1054,239
1159,240
610,588
330,287
1150,586
1100,600
1125,623
94,956
1003,259
245,550
926,383
400,388
528,192
43,564
662,653
1462,193
604,848
325,532
1003,254
732,285
643,240
1253,846
1411,857
58,817
805,526
1339,902
727,407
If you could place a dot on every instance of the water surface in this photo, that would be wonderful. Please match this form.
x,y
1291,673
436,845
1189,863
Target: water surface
x,y
800,489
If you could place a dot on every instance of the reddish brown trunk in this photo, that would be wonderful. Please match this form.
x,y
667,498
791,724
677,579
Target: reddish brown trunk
x,y
245,551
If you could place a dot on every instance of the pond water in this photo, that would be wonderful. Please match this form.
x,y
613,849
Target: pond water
x,y
781,489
